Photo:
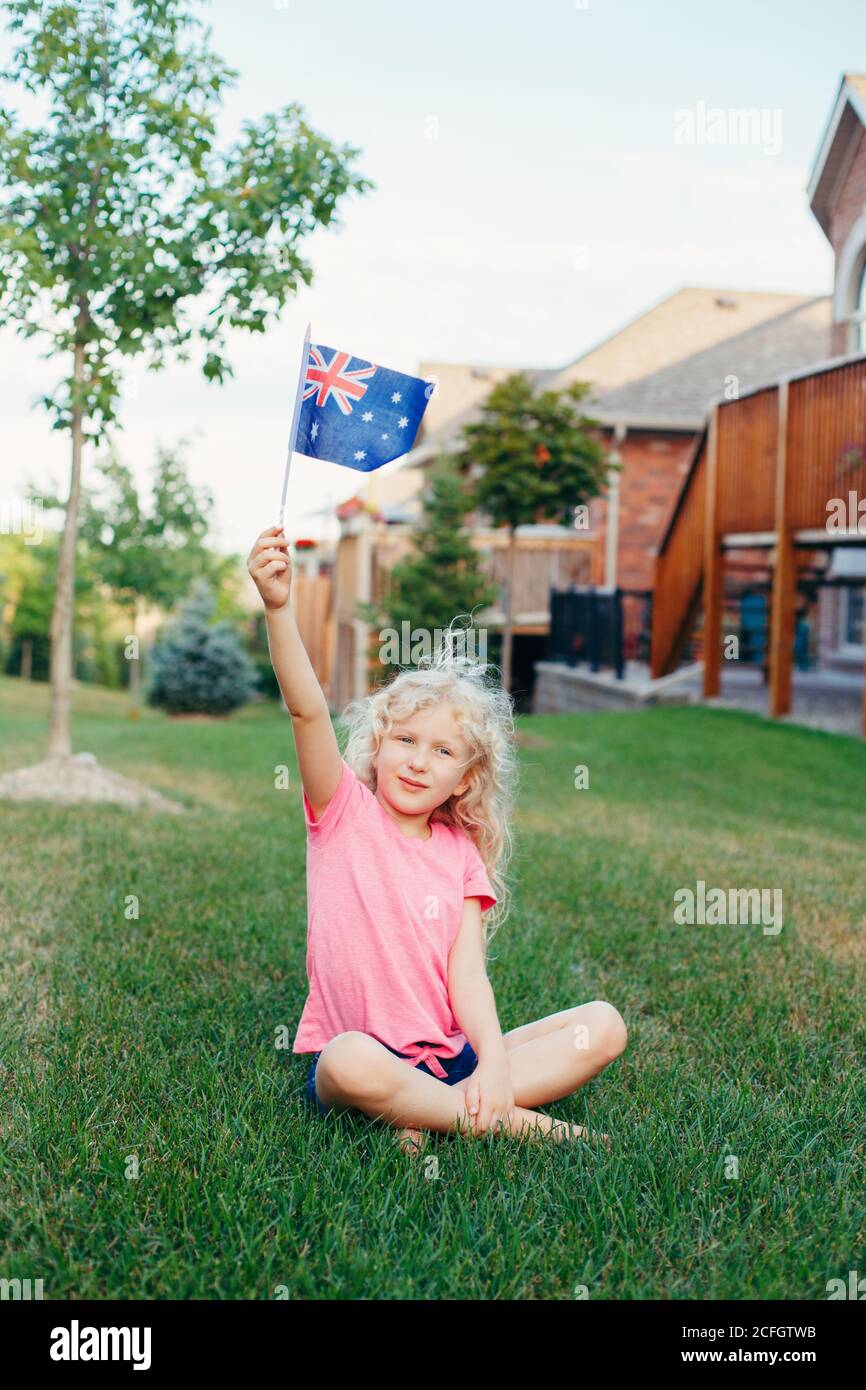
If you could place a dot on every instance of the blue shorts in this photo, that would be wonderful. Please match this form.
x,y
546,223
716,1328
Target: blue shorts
x,y
456,1069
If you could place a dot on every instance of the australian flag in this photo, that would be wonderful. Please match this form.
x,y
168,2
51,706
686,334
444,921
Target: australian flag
x,y
355,412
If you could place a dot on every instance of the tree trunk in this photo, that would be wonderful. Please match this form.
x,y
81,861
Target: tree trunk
x,y
135,669
59,742
26,658
509,611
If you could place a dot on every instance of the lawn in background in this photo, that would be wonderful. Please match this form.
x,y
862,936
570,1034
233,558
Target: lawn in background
x,y
146,1044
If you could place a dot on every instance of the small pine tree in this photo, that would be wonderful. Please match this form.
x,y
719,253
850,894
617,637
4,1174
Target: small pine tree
x,y
198,668
441,580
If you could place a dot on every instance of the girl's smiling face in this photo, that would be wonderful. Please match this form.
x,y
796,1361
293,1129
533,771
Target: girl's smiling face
x,y
421,761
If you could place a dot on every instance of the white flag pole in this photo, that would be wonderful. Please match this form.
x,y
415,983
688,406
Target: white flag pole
x,y
297,410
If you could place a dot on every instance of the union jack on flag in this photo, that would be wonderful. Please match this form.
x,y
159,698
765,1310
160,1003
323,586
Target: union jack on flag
x,y
357,413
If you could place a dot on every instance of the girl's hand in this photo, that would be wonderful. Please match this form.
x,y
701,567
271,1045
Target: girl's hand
x,y
489,1097
271,568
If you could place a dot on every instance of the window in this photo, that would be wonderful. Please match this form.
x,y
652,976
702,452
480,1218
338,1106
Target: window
x,y
860,315
854,627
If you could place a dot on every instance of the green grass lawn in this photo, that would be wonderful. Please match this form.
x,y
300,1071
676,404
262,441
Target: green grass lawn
x,y
154,1039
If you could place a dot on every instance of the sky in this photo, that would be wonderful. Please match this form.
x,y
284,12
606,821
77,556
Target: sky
x,y
533,195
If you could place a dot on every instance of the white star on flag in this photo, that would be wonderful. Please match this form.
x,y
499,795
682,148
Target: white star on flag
x,y
367,416
314,429
360,454
402,422
396,396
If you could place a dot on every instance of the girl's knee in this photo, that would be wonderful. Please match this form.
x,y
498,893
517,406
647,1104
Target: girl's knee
x,y
355,1063
607,1029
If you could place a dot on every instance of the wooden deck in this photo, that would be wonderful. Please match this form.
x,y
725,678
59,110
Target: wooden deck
x,y
762,475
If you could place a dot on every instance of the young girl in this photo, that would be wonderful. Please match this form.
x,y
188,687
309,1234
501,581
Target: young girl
x,y
407,841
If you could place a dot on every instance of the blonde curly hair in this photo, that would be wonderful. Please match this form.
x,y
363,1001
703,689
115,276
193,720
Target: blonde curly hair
x,y
485,713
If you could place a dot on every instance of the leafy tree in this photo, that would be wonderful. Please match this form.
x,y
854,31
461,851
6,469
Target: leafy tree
x,y
199,668
441,578
532,459
145,556
118,216
25,582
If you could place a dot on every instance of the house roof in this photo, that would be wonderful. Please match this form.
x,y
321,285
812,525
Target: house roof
x,y
678,394
841,135
663,369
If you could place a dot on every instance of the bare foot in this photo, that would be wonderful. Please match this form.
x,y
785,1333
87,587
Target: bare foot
x,y
412,1141
563,1132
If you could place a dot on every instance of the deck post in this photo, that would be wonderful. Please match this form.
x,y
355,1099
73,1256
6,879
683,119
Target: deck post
x,y
712,565
784,575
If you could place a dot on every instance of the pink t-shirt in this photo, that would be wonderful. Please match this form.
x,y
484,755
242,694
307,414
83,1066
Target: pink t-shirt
x,y
383,911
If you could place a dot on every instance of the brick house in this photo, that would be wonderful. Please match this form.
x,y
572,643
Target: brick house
x,y
652,382
837,198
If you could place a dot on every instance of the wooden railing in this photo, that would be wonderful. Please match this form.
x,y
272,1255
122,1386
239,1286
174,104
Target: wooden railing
x,y
541,563
826,437
679,565
748,430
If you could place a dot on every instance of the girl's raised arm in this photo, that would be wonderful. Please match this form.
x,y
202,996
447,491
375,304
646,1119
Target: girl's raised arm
x,y
315,741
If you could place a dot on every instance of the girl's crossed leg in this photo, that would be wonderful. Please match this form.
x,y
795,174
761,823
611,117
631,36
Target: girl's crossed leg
x,y
549,1059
